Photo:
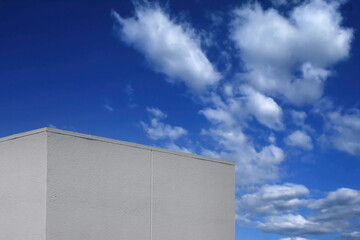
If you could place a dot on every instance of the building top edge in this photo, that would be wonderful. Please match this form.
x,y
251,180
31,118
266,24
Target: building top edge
x,y
113,141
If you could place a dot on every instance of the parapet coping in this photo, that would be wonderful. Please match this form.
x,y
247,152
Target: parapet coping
x,y
113,141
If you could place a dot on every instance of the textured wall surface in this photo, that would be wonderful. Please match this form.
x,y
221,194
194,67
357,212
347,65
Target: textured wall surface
x,y
23,187
192,198
81,187
97,190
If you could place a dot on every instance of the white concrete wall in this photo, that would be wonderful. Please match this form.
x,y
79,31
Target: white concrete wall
x,y
111,190
193,199
97,190
23,186
59,185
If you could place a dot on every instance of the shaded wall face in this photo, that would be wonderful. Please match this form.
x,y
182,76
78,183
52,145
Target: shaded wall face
x,y
192,199
23,188
107,191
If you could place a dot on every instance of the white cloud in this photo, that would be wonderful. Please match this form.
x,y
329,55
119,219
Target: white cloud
x,y
218,115
255,167
237,108
172,48
158,130
287,59
108,107
340,197
351,235
274,48
309,87
299,139
264,108
155,112
252,166
175,147
286,191
343,203
272,138
344,131
271,200
293,225
229,117
273,208
293,238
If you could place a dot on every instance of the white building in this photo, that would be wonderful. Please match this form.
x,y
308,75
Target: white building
x,y
59,185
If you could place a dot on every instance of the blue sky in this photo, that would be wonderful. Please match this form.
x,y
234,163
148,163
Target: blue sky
x,y
273,85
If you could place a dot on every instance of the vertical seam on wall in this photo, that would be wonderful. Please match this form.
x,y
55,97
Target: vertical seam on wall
x,y
46,181
151,191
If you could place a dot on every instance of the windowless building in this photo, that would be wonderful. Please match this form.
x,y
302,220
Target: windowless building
x,y
60,185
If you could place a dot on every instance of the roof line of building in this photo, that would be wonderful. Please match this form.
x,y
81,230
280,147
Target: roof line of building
x,y
113,141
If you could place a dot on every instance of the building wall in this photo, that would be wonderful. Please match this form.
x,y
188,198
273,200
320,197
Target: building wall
x,y
59,185
23,186
112,190
193,199
97,190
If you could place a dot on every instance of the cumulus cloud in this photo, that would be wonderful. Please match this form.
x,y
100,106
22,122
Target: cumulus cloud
x,y
343,131
293,225
252,166
343,203
351,235
299,139
229,117
293,238
238,107
288,56
271,200
338,198
171,48
158,130
274,208
220,114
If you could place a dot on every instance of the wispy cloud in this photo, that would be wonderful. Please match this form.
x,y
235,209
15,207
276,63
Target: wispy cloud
x,y
172,48
108,107
129,90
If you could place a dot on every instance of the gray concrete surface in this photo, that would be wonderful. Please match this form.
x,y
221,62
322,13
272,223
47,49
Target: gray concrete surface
x,y
59,185
23,187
